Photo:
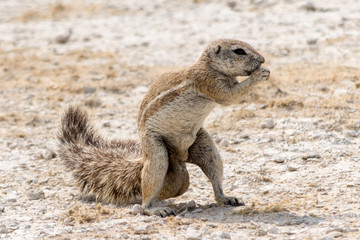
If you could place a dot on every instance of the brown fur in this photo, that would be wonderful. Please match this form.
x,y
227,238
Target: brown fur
x,y
158,104
170,128
109,169
162,86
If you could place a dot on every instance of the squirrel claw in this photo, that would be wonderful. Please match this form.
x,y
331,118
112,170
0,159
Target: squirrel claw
x,y
230,201
261,74
159,211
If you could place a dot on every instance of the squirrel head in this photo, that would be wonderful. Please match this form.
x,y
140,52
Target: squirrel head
x,y
232,57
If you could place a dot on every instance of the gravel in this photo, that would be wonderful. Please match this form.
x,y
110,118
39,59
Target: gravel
x,y
290,149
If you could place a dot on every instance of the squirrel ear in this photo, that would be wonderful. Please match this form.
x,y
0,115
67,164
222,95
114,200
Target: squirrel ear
x,y
217,49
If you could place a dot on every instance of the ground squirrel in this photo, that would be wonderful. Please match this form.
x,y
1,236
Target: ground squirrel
x,y
170,124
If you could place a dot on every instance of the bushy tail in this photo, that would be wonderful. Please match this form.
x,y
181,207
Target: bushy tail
x,y
109,169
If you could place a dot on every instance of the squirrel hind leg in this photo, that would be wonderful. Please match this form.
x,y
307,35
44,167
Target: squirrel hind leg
x,y
176,181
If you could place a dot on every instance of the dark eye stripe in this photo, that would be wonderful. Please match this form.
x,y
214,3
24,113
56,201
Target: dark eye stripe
x,y
239,51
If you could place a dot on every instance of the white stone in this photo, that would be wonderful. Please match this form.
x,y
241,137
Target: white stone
x,y
142,228
193,234
3,229
136,209
48,154
340,92
267,123
69,221
198,210
36,195
350,133
220,235
279,160
311,155
292,167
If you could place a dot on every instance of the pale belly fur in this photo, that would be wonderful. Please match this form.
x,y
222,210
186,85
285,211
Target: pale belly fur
x,y
179,121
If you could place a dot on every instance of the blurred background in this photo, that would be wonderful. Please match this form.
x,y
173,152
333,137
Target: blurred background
x,y
105,54
56,52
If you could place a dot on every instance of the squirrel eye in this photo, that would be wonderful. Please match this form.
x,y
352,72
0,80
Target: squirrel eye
x,y
239,51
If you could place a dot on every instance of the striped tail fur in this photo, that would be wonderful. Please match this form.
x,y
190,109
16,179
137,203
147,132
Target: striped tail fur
x,y
109,169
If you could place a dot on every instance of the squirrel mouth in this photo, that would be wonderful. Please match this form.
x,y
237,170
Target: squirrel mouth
x,y
247,73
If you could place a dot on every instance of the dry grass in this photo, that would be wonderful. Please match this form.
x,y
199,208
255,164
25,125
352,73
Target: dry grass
x,y
291,88
289,102
260,176
241,114
71,71
294,75
87,214
270,208
309,90
59,10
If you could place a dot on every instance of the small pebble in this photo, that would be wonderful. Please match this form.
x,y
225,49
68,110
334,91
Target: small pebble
x,y
267,123
63,38
231,4
89,90
136,209
11,200
186,214
142,228
309,6
245,136
96,77
198,210
284,157
279,160
13,146
122,222
261,233
69,221
193,234
220,235
351,133
33,195
313,160
341,92
312,41
141,89
48,154
13,226
224,143
106,124
323,88
292,168
311,155
273,230
3,229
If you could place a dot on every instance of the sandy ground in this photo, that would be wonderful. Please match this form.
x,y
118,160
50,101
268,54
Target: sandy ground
x,y
290,149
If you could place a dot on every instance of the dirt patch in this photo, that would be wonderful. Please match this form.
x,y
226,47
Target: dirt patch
x,y
290,148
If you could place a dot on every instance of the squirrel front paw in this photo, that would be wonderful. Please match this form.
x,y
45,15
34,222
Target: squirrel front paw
x,y
261,74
